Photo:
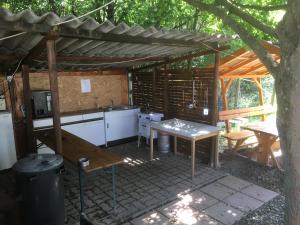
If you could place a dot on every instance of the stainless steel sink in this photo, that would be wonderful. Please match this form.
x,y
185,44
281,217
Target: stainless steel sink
x,y
121,107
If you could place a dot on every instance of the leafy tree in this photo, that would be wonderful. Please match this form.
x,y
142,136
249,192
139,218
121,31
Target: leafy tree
x,y
240,17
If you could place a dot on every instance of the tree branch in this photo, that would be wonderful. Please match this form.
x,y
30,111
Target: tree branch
x,y
249,39
248,18
261,7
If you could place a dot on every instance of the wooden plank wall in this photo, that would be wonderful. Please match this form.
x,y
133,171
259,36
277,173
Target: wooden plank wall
x,y
148,89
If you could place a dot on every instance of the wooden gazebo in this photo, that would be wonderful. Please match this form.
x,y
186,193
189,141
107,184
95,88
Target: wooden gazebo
x,y
244,64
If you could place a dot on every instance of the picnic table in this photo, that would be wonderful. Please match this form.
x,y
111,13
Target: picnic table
x,y
187,130
266,134
75,148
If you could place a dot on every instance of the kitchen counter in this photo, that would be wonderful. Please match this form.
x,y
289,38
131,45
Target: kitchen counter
x,y
102,109
97,127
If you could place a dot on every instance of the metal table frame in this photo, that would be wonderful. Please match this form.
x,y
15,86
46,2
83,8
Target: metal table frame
x,y
81,183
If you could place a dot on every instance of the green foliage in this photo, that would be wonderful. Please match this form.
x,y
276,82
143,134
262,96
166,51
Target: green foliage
x,y
249,93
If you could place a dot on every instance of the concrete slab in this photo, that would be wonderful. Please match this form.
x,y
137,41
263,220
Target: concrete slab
x,y
259,193
198,200
180,213
224,213
234,182
218,191
243,202
151,218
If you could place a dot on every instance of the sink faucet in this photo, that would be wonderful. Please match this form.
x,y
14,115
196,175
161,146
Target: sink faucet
x,y
112,102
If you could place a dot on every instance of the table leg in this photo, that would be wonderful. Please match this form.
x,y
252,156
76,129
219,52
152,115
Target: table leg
x,y
151,143
139,141
216,152
239,144
265,142
80,177
193,157
175,145
113,172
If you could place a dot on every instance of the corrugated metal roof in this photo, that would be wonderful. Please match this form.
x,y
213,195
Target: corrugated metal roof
x,y
80,40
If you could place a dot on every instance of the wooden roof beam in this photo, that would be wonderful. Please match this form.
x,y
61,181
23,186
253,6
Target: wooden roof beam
x,y
273,49
233,56
186,57
37,50
105,58
238,66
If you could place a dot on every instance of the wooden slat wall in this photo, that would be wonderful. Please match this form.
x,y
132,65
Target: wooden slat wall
x,y
180,92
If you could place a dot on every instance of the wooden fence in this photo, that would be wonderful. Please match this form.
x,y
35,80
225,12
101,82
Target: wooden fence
x,y
182,94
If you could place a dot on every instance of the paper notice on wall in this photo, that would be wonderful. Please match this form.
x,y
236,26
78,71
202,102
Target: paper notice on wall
x,y
86,86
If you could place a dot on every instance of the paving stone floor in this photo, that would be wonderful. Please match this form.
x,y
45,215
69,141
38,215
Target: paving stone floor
x,y
162,192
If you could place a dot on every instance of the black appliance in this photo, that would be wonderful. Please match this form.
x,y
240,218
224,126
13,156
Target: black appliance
x,y
41,190
42,104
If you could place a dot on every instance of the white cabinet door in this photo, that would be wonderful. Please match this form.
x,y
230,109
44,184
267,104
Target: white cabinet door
x,y
121,124
75,129
92,131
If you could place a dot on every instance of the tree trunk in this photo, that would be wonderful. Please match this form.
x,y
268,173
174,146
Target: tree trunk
x,y
287,86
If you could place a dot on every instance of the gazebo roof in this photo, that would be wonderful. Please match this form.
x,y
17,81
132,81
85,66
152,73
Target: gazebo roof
x,y
88,45
244,63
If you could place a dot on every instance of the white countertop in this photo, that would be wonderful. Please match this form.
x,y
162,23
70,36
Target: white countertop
x,y
187,129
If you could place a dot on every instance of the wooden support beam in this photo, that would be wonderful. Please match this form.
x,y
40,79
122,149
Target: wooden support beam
x,y
232,57
273,49
228,85
237,76
154,76
238,66
37,50
166,93
104,59
215,113
31,145
182,58
54,92
260,95
225,107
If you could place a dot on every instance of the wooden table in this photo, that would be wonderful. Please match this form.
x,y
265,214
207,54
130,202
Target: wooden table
x,y
266,135
187,130
74,148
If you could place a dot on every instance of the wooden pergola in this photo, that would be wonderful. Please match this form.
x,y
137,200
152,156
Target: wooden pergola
x,y
245,64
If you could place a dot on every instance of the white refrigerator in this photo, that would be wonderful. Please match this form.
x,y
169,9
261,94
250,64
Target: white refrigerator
x,y
7,142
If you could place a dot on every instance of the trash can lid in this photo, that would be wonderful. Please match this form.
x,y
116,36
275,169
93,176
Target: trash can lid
x,y
36,163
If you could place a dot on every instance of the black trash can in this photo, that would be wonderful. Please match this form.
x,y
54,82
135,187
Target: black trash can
x,y
40,187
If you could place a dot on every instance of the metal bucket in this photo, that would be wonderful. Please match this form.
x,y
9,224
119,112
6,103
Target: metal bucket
x,y
164,143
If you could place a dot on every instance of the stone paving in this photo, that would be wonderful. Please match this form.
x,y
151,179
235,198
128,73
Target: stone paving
x,y
162,192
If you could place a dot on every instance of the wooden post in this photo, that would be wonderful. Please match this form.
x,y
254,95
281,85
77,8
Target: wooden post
x,y
154,75
166,93
30,142
54,92
260,94
225,107
215,113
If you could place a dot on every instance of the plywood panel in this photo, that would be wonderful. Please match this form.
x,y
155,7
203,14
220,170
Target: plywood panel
x,y
104,88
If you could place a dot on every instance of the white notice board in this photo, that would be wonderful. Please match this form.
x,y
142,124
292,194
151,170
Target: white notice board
x,y
86,85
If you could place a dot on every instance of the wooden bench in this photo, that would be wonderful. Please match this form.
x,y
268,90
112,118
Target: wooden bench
x,y
241,136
